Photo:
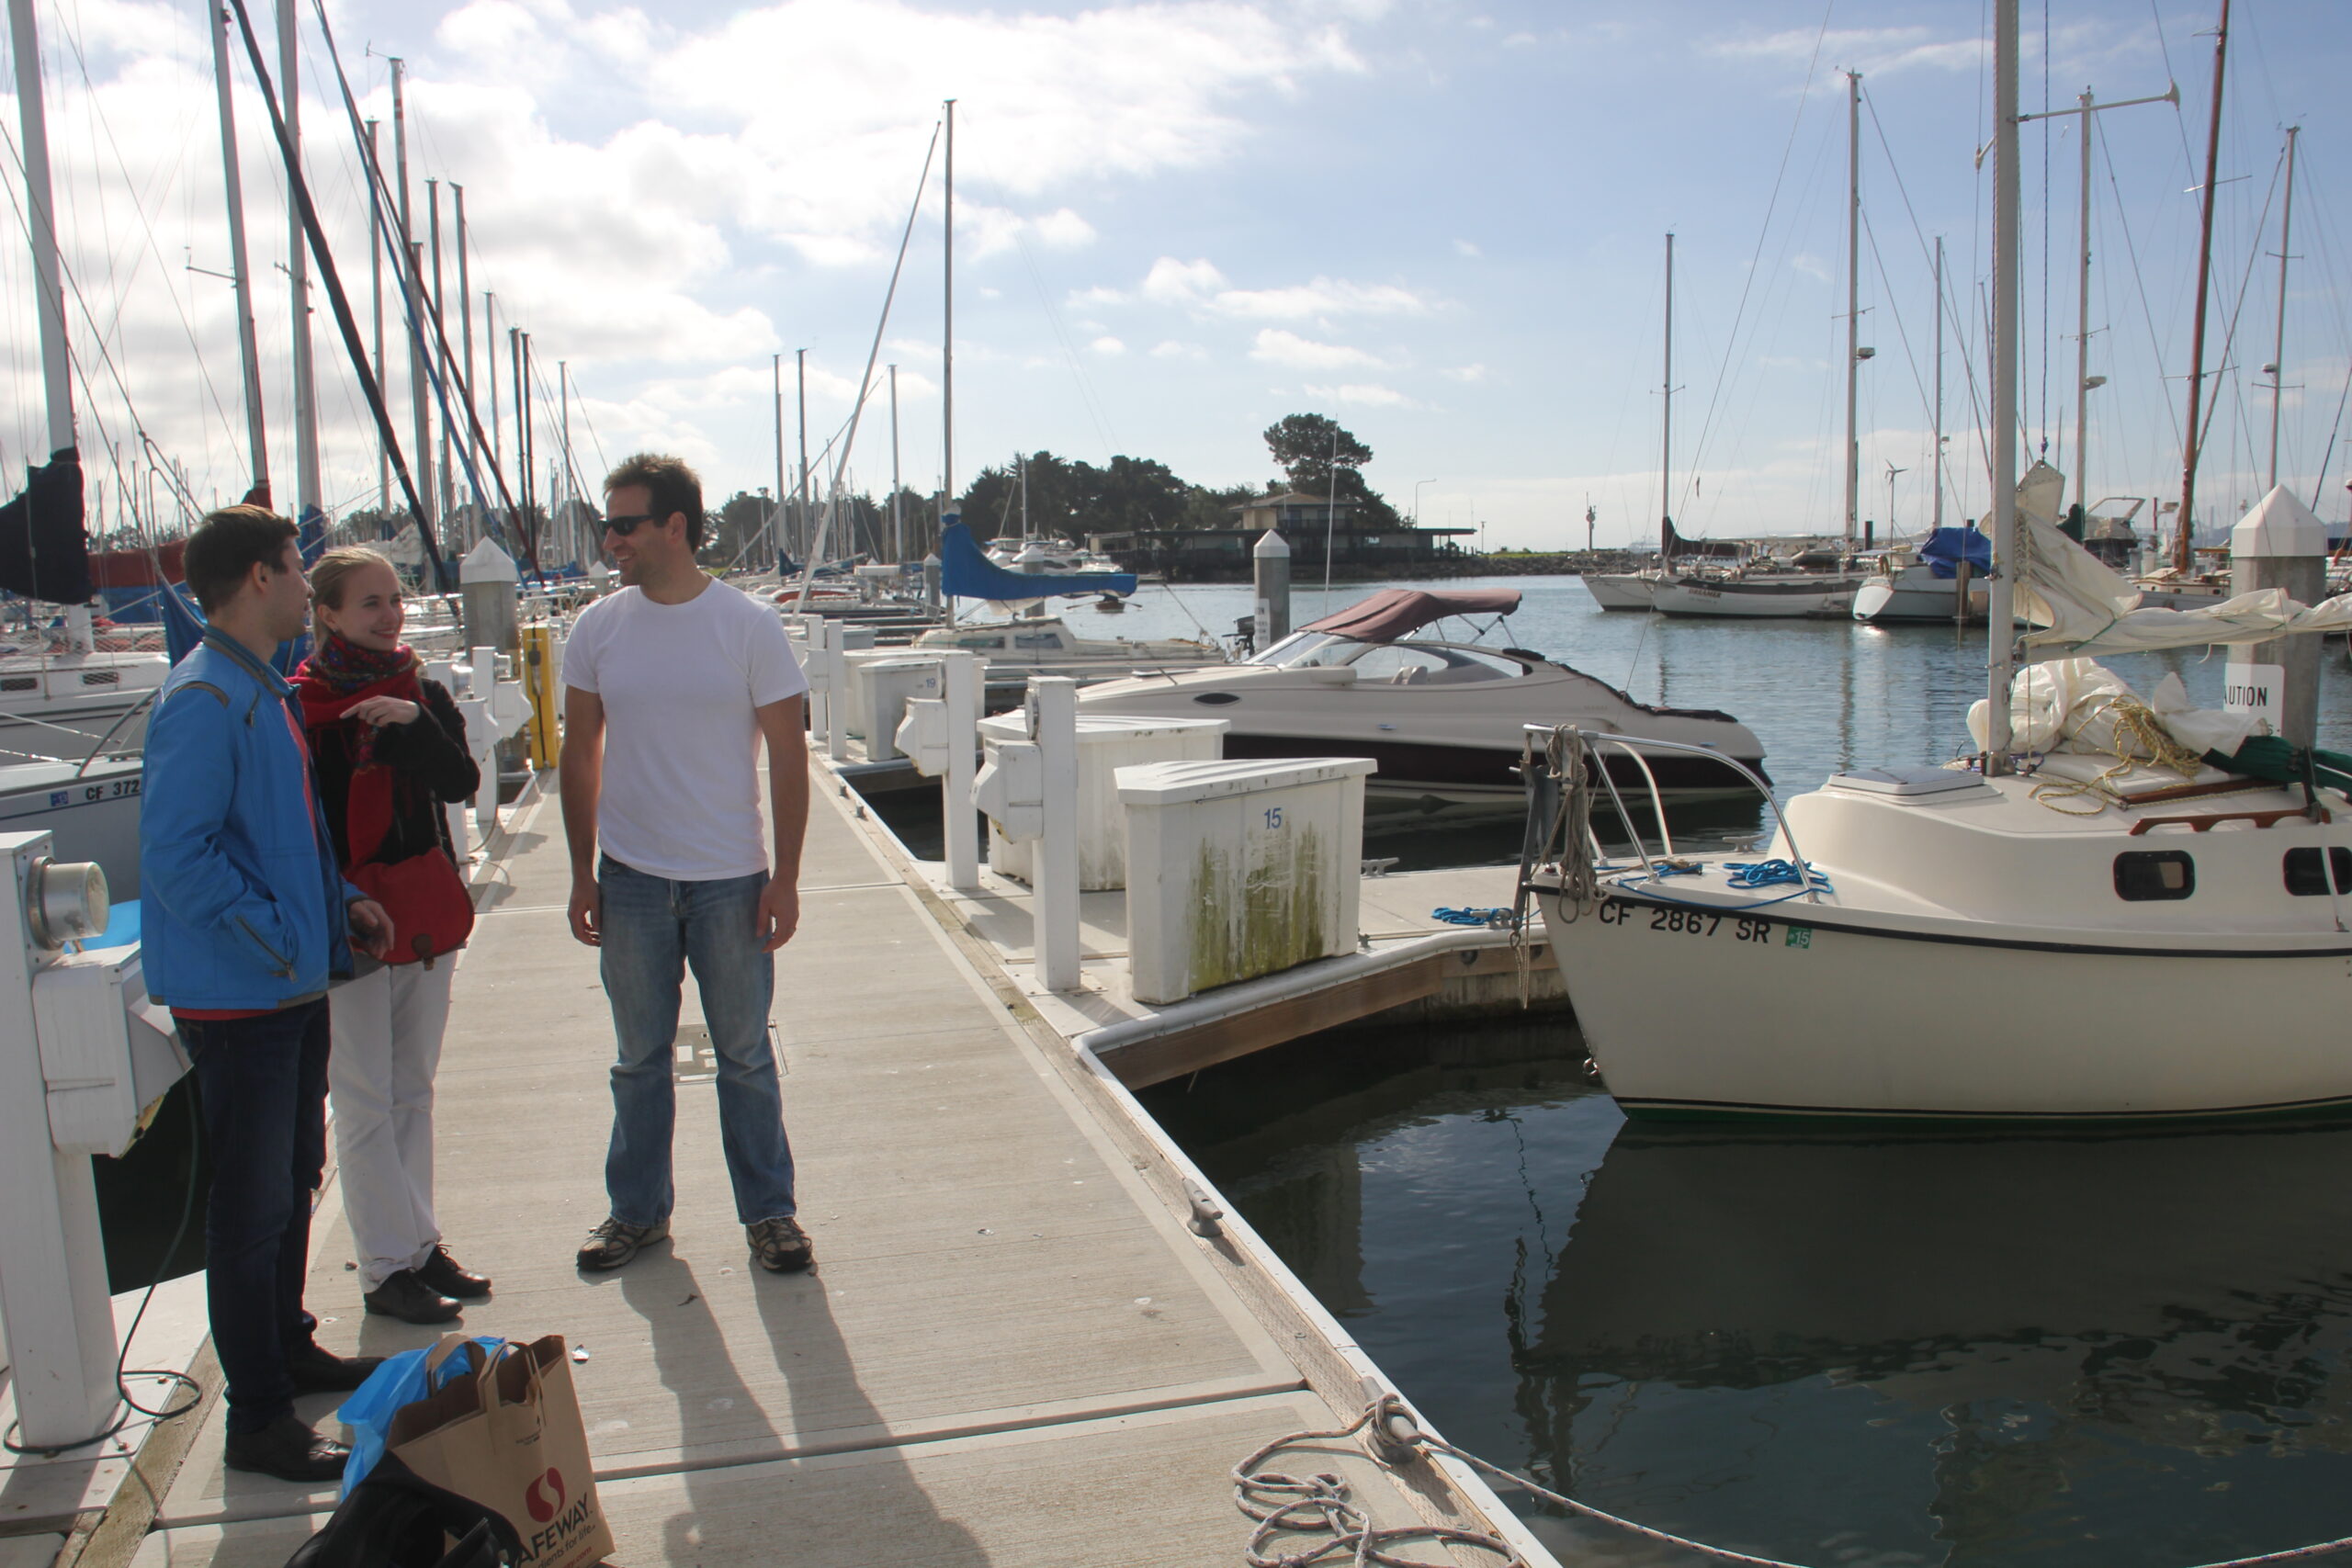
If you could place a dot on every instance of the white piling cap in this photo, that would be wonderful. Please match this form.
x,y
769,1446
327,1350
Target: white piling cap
x,y
2280,527
487,563
1270,545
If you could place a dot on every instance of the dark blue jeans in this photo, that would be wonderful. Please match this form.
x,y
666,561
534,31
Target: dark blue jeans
x,y
654,929
265,1085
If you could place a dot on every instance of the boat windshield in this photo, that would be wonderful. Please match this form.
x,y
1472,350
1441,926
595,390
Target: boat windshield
x,y
1400,663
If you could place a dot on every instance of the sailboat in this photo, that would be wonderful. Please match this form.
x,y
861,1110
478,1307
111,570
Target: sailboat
x,y
2113,927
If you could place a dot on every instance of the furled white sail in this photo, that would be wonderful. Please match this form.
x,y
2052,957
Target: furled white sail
x,y
2080,607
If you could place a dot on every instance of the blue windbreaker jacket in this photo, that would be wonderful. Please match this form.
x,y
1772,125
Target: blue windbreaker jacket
x,y
242,905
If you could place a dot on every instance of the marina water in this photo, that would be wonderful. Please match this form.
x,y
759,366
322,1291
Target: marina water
x,y
2119,1350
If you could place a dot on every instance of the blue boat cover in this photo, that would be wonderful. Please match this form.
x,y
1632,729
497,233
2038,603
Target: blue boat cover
x,y
1947,547
966,573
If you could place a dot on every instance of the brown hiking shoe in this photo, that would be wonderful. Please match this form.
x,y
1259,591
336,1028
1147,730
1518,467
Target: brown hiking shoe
x,y
780,1244
617,1241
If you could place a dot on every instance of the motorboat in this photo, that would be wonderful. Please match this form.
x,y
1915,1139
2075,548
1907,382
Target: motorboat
x,y
1440,718
1015,649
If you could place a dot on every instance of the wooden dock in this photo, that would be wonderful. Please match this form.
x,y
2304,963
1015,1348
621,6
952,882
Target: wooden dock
x,y
1012,1351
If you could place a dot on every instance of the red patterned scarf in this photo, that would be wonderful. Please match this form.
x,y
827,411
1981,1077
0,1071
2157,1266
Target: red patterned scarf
x,y
337,676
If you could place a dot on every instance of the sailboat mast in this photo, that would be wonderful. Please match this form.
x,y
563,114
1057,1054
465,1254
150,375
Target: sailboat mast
x,y
56,383
2083,323
2279,343
800,521
376,287
309,492
241,270
897,534
1666,426
2183,553
440,347
1854,294
775,515
2008,189
947,333
472,434
1939,512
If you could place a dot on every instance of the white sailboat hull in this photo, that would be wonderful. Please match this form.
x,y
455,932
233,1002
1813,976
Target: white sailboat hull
x,y
1620,590
1923,597
2077,1029
1774,601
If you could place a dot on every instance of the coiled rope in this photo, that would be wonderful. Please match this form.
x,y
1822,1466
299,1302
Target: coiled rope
x,y
1750,875
2133,725
1319,1505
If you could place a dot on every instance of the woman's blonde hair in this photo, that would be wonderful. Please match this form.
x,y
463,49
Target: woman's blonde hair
x,y
336,568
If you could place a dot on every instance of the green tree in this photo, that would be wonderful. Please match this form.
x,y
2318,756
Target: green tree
x,y
1133,493
1306,446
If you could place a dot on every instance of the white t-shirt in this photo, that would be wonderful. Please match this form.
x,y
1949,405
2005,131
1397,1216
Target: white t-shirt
x,y
682,792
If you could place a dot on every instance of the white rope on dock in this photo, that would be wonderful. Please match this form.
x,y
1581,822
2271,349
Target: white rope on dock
x,y
1319,1504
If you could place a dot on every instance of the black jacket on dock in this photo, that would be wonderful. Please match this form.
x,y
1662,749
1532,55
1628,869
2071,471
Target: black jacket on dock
x,y
431,768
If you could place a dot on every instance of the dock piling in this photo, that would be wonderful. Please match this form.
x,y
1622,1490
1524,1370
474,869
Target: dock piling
x,y
1053,728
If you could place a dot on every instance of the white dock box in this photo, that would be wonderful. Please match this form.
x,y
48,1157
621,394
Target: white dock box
x,y
1107,744
1239,869
879,687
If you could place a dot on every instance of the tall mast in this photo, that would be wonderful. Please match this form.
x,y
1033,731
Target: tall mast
x,y
775,515
56,383
2279,343
522,429
947,333
470,434
563,385
897,534
490,367
438,345
2184,554
807,542
2008,186
1938,513
1666,427
412,285
308,495
1853,293
947,339
241,270
376,287
2083,323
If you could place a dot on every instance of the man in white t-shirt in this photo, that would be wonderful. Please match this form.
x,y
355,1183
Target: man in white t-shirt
x,y
671,684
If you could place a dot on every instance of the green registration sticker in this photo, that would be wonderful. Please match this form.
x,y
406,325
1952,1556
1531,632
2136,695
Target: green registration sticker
x,y
1800,936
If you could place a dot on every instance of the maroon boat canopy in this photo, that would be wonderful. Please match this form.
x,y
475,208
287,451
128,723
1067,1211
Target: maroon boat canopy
x,y
1396,611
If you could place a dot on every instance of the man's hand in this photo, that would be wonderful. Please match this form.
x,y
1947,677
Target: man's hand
x,y
779,914
587,911
371,927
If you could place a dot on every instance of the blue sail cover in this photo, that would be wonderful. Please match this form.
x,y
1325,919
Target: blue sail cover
x,y
966,573
1947,547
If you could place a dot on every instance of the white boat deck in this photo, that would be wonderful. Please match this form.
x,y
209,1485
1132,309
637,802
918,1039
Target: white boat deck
x,y
1012,1351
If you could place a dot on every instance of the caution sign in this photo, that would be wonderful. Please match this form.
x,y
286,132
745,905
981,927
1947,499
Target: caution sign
x,y
2257,688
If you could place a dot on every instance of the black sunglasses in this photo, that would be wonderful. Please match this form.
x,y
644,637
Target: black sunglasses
x,y
627,526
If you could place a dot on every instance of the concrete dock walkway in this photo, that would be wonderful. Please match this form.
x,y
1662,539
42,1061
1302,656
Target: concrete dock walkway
x,y
1011,1351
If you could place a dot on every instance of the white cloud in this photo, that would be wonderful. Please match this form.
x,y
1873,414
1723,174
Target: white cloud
x,y
1466,373
1276,345
1872,51
1811,265
1467,248
1108,347
1198,286
1368,395
1168,348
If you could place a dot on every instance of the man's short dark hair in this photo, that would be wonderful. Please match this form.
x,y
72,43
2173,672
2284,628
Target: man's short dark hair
x,y
227,545
674,487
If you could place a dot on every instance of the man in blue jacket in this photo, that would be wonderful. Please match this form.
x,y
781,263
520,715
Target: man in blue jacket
x,y
244,922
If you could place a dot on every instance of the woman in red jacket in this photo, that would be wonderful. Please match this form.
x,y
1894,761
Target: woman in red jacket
x,y
391,751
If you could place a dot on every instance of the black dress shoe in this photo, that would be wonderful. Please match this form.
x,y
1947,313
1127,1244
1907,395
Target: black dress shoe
x,y
411,1300
442,1273
317,1369
290,1451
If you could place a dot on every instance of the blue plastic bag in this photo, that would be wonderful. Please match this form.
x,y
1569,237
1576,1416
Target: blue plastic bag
x,y
402,1380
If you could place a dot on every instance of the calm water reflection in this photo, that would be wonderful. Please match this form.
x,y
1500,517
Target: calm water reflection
x,y
2115,1351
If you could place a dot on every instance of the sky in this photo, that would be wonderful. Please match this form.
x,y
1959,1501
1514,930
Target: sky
x,y
1442,223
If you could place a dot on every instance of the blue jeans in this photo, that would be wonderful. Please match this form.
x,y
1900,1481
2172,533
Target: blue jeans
x,y
263,1082
653,928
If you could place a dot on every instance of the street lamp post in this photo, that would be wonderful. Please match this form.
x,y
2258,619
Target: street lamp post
x,y
1417,500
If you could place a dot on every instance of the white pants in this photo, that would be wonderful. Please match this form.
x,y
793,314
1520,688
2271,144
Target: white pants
x,y
388,1026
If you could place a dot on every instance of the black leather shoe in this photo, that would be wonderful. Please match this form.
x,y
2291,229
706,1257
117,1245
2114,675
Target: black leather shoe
x,y
442,1273
411,1300
290,1451
317,1369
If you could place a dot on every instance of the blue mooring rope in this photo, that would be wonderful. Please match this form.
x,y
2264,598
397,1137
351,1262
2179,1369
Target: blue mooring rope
x,y
1750,875
1500,920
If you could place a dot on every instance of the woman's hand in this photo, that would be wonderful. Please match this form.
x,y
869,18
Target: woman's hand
x,y
384,710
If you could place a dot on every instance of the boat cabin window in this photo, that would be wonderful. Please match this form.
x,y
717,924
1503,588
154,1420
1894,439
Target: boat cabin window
x,y
2303,874
2148,875
1050,641
1302,650
1399,664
